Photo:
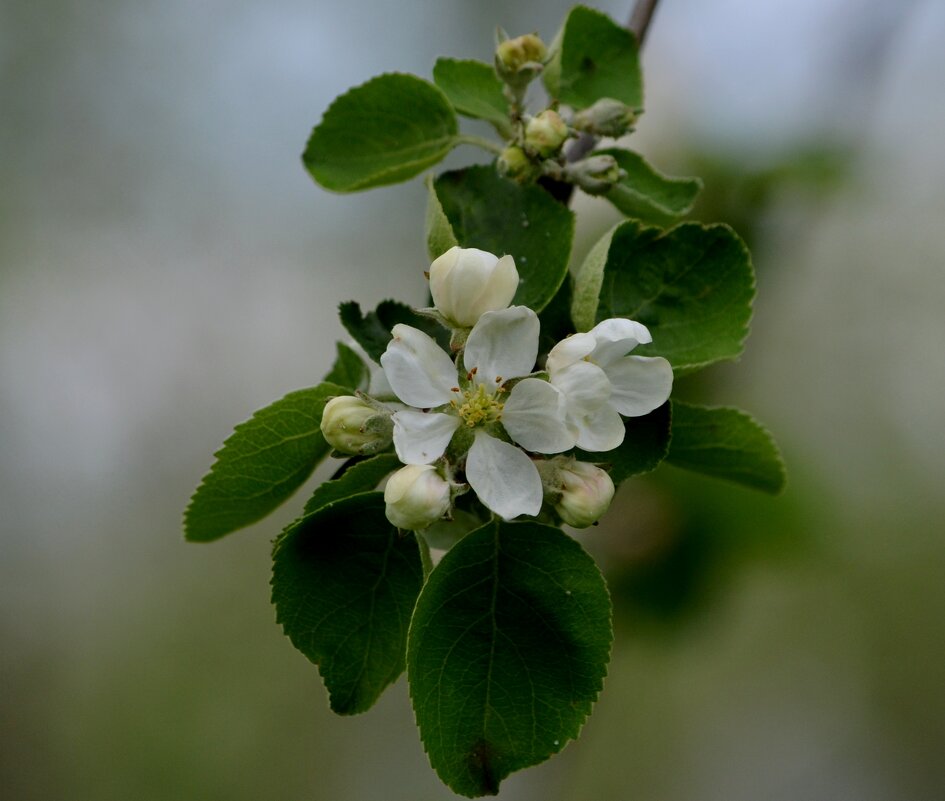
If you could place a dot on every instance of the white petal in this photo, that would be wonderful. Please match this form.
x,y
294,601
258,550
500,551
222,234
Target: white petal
x,y
418,370
503,344
535,415
502,285
616,337
570,350
421,438
640,384
504,478
601,430
585,385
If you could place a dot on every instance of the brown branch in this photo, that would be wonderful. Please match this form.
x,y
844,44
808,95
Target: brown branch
x,y
640,19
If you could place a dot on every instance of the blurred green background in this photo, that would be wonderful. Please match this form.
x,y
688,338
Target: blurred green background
x,y
167,267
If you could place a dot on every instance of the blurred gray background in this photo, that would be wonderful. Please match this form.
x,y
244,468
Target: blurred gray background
x,y
167,267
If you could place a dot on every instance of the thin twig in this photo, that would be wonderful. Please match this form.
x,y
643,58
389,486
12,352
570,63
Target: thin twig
x,y
640,19
639,24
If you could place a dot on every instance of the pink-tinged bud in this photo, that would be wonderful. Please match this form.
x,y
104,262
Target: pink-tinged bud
x,y
586,493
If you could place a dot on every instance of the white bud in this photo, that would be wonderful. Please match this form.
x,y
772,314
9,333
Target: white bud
x,y
351,425
466,283
416,496
586,493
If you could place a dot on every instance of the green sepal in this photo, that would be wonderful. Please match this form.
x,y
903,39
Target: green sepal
x,y
726,443
385,131
648,195
344,583
507,652
492,213
593,57
692,286
475,91
261,464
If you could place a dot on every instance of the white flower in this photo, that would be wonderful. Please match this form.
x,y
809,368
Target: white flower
x,y
466,283
416,496
501,346
593,366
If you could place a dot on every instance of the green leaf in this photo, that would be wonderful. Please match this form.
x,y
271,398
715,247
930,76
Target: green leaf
x,y
344,583
475,91
439,233
646,194
372,330
594,57
348,370
492,213
507,652
263,462
359,477
692,286
726,443
385,131
645,445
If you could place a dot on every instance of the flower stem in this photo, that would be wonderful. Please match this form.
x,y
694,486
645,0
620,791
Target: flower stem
x,y
479,141
425,560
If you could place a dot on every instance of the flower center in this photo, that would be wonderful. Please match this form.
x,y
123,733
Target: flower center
x,y
478,406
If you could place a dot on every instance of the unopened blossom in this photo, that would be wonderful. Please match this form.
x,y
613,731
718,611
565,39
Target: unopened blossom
x,y
602,381
586,493
503,345
352,425
467,282
416,496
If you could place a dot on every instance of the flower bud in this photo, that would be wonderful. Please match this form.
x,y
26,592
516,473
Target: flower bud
x,y
607,117
586,492
416,496
512,54
545,133
514,164
466,283
351,425
595,174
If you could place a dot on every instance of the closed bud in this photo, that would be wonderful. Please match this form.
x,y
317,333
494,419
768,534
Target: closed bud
x,y
416,496
607,117
595,174
466,283
586,493
513,54
352,425
515,164
545,133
